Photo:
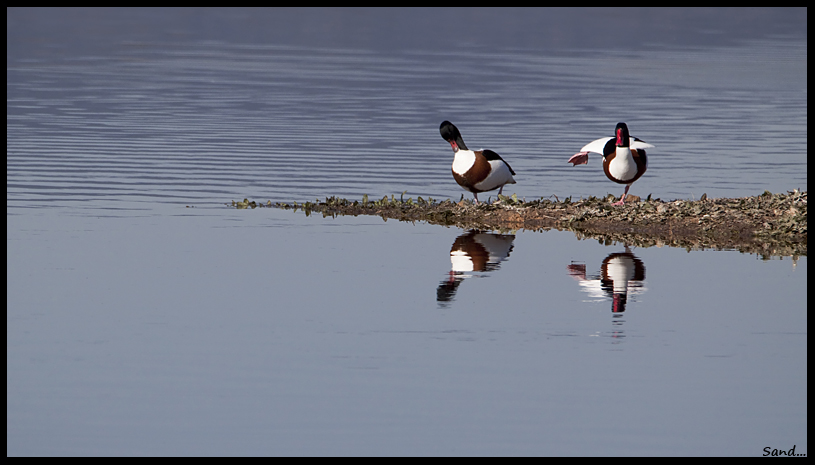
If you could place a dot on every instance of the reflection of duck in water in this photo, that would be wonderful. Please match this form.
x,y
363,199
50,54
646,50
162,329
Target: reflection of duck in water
x,y
473,251
621,273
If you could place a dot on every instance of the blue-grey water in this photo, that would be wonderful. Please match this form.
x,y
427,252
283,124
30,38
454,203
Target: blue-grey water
x,y
145,317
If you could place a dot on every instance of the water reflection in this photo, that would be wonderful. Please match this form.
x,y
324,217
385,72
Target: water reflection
x,y
473,251
621,274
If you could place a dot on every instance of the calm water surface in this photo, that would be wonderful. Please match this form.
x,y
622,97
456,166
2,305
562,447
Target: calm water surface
x,y
145,317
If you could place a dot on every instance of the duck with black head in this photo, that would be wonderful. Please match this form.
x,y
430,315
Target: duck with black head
x,y
624,158
476,170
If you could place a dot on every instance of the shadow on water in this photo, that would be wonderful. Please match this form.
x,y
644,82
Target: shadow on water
x,y
621,275
476,254
473,252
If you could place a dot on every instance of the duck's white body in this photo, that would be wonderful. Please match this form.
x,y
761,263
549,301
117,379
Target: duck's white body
x,y
498,173
623,166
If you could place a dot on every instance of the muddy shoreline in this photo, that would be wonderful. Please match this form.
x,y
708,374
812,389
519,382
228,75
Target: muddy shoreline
x,y
767,224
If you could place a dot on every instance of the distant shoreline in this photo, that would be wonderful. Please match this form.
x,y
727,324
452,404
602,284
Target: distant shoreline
x,y
767,224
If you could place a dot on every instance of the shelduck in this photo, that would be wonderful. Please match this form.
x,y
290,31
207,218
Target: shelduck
x,y
479,170
624,159
619,273
473,251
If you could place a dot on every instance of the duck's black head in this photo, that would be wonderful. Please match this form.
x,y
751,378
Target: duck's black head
x,y
449,132
621,132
